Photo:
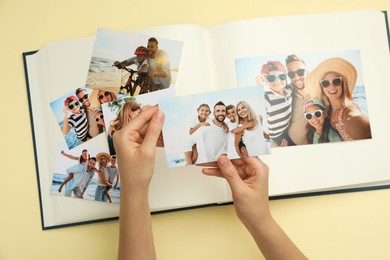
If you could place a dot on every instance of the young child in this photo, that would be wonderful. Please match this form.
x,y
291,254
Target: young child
x,y
278,102
77,119
319,128
232,124
202,119
142,67
99,118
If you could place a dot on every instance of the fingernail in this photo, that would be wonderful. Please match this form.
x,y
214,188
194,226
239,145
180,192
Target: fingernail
x,y
223,161
159,116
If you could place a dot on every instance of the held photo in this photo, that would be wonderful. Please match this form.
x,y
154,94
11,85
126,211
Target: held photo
x,y
310,98
200,128
88,173
132,64
121,111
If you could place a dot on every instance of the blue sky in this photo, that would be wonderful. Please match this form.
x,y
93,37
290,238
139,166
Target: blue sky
x,y
248,68
118,45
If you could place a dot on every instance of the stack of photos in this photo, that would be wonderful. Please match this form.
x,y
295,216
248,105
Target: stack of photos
x,y
123,67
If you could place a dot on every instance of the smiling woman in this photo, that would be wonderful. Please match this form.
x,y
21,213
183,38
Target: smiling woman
x,y
332,82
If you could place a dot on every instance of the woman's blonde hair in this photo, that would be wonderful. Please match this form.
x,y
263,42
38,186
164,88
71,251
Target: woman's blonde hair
x,y
123,116
251,112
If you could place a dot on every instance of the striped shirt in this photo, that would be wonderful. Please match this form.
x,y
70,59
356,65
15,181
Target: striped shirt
x,y
80,124
278,111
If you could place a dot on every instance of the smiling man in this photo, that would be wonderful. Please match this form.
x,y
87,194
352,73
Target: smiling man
x,y
297,72
212,141
83,96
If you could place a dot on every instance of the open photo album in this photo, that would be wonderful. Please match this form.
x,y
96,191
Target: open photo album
x,y
306,93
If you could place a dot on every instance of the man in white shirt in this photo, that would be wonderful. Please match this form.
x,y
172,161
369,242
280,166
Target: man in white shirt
x,y
212,141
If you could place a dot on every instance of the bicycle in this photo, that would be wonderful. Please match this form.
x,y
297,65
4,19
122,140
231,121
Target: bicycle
x,y
130,82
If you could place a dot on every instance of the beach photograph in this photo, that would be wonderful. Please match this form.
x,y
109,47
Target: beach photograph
x,y
137,60
198,111
70,179
322,95
71,118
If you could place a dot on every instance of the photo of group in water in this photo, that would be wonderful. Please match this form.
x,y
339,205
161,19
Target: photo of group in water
x,y
131,64
310,98
200,128
88,173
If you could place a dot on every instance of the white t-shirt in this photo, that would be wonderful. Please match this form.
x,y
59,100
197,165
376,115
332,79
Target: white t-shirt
x,y
189,141
211,142
254,140
232,153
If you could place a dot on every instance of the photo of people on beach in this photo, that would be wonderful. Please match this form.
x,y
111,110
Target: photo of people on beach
x,y
131,64
200,128
77,117
310,98
88,173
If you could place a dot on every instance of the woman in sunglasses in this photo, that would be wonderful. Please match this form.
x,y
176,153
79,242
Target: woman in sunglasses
x,y
76,120
102,96
319,128
332,82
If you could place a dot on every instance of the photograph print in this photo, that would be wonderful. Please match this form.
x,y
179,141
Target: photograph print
x,y
200,128
122,111
77,117
88,173
310,98
131,64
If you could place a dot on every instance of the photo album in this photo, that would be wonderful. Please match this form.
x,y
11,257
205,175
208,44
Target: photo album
x,y
305,93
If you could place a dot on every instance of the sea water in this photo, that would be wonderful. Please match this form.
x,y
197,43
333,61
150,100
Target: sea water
x,y
89,194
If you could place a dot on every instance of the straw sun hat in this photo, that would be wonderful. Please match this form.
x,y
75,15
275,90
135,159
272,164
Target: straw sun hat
x,y
103,154
336,65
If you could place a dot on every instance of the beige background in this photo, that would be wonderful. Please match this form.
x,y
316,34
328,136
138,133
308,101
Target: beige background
x,y
342,226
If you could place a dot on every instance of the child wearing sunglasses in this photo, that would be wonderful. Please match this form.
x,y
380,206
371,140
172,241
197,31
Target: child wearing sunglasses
x,y
76,120
278,102
332,82
99,118
319,128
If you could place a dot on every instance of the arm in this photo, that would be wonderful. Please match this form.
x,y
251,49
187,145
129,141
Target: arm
x,y
357,125
193,129
240,129
124,63
248,180
65,126
102,177
69,156
135,146
117,180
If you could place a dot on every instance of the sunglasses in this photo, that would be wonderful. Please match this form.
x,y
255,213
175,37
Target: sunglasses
x,y
85,97
98,118
336,82
105,94
71,106
272,78
299,73
317,114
